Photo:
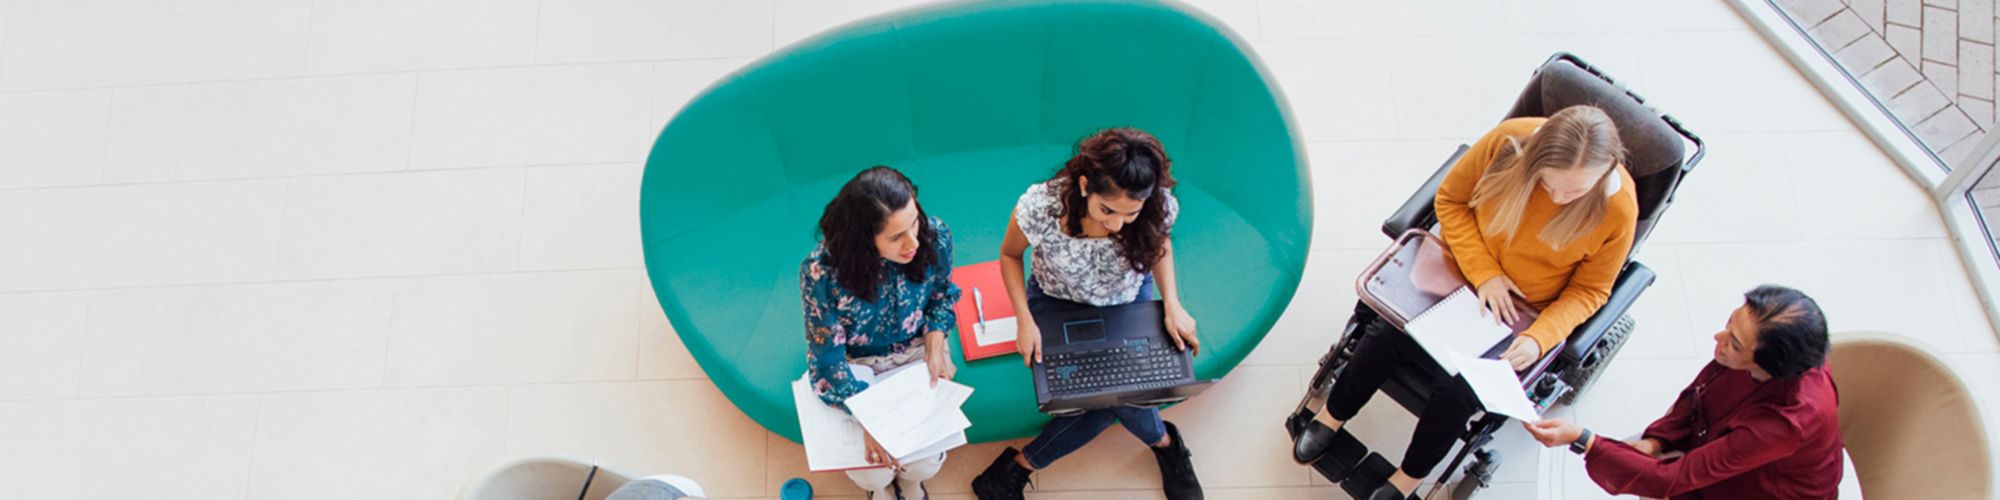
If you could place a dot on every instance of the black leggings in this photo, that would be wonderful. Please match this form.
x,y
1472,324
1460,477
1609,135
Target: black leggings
x,y
1384,349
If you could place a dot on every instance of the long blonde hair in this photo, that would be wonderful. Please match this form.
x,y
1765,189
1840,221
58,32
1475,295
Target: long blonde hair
x,y
1577,137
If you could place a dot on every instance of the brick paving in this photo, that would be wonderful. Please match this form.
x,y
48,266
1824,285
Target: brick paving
x,y
1931,62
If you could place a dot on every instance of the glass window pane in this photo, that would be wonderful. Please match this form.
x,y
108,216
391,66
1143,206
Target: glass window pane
x,y
1931,68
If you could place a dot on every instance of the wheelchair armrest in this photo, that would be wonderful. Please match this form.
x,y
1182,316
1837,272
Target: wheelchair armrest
x,y
1631,282
1535,371
1418,212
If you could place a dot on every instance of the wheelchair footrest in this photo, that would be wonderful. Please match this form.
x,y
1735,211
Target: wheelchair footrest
x,y
1372,473
1333,453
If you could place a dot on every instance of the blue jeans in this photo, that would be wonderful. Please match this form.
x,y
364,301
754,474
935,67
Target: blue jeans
x,y
1065,435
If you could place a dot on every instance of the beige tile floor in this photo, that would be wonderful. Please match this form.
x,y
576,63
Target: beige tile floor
x,y
283,249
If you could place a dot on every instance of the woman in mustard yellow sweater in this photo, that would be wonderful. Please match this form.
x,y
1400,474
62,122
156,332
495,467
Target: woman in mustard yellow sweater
x,y
1539,214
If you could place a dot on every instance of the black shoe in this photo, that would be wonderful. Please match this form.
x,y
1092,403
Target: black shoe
x,y
1333,453
1311,441
1177,467
1389,492
1003,479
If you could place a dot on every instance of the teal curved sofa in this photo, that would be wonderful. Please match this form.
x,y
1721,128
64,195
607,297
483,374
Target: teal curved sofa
x,y
974,101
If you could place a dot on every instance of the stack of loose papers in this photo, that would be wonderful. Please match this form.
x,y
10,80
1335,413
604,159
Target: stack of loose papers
x,y
1456,332
833,438
908,417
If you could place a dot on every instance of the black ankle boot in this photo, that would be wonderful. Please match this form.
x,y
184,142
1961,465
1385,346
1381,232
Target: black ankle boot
x,y
1177,467
1003,479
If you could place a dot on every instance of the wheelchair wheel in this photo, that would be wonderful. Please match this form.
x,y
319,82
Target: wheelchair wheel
x,y
1581,376
1478,474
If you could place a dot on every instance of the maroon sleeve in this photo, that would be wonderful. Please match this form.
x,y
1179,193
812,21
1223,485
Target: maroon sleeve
x,y
1763,436
1674,428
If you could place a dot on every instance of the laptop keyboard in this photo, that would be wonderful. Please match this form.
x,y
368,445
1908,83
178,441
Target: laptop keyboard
x,y
1136,365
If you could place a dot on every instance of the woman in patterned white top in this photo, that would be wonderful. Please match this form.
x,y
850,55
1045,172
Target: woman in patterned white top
x,y
1099,231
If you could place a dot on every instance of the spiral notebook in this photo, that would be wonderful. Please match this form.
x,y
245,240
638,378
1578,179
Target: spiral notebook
x,y
1458,327
1463,338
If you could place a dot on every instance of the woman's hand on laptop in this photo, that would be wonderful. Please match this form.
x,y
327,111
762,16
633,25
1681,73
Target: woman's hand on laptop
x,y
1028,340
1180,328
937,354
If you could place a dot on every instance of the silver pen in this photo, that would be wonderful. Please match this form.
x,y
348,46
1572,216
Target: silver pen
x,y
979,307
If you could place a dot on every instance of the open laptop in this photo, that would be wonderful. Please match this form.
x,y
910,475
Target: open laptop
x,y
1101,357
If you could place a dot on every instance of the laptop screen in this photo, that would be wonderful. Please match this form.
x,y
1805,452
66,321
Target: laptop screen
x,y
1081,331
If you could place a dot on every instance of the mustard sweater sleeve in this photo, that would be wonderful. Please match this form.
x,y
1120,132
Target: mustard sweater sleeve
x,y
1456,221
1589,287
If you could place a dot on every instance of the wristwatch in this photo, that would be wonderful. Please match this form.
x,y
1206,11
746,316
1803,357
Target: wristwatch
x,y
1582,442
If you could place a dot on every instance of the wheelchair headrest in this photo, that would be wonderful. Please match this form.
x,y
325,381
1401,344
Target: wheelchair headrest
x,y
1650,145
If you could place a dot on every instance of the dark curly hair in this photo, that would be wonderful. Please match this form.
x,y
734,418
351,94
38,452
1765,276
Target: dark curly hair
x,y
1791,330
1124,161
855,216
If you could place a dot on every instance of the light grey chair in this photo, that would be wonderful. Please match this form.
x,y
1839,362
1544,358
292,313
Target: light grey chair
x,y
557,477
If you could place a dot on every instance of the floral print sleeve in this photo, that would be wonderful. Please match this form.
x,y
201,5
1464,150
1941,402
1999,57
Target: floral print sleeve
x,y
826,337
841,327
1036,214
938,314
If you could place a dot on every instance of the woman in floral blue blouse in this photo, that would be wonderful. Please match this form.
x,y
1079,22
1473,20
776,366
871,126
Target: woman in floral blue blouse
x,y
878,294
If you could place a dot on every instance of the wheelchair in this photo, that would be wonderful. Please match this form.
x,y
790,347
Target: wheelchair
x,y
1655,144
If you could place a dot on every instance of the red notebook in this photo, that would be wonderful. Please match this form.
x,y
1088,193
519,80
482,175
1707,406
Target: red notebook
x,y
980,289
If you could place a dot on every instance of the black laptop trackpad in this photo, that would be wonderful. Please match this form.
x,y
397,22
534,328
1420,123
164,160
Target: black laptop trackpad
x,y
1083,330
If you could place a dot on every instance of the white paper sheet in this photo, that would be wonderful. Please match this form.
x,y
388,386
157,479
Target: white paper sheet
x,y
1499,390
995,332
905,414
1456,327
833,439
955,440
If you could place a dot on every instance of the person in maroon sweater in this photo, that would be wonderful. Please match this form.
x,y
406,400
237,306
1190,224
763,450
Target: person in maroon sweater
x,y
1760,421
